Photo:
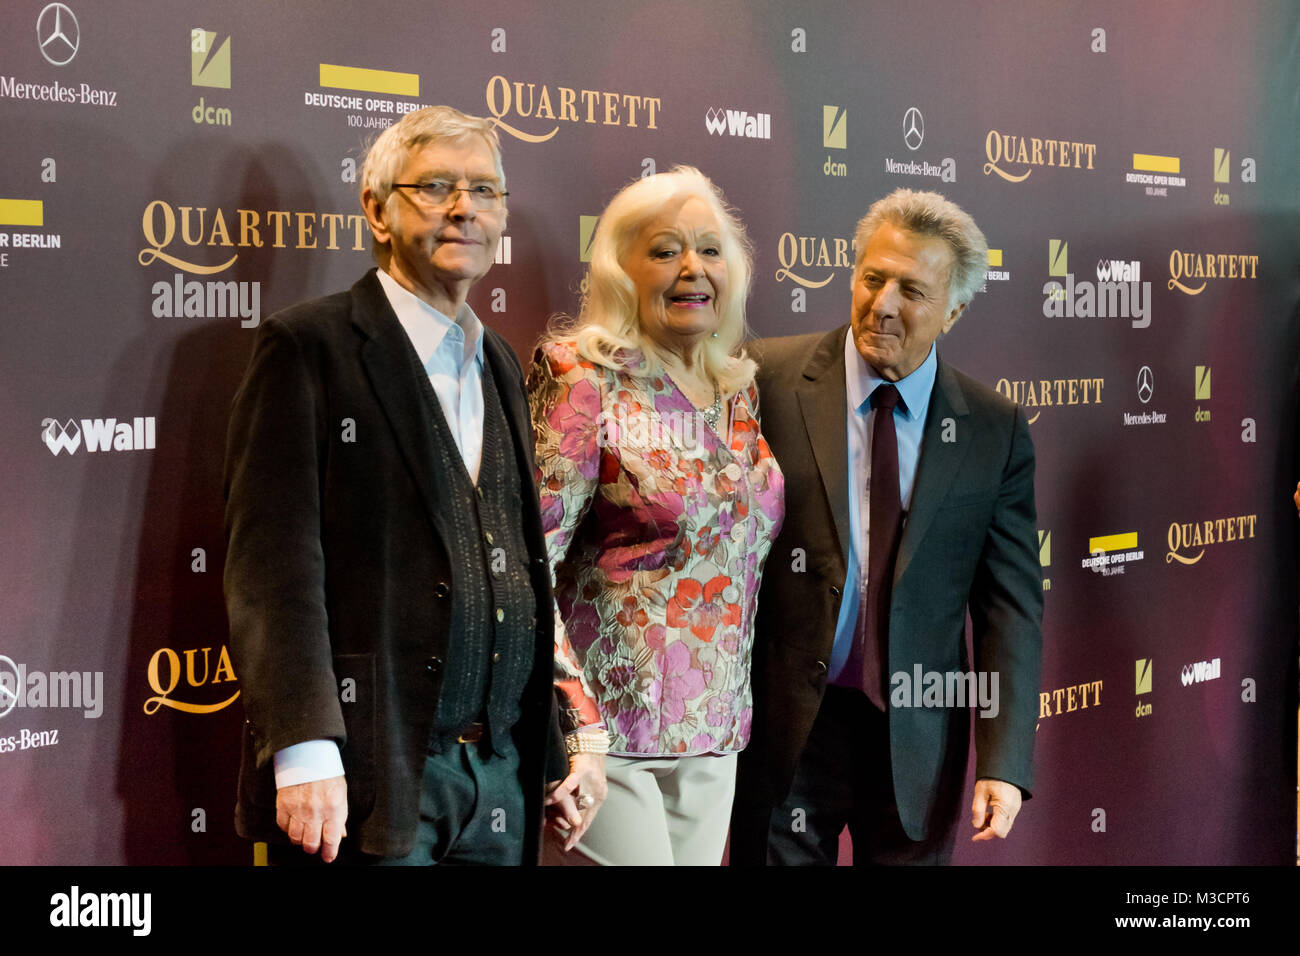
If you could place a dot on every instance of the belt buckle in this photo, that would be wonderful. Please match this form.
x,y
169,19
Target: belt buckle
x,y
470,734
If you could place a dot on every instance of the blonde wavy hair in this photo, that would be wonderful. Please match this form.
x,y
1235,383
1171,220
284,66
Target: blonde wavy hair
x,y
608,325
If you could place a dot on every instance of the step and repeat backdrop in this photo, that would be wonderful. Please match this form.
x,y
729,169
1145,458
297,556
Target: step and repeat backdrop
x,y
172,173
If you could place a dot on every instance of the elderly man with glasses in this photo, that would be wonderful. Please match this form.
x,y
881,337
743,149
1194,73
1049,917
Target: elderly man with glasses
x,y
386,577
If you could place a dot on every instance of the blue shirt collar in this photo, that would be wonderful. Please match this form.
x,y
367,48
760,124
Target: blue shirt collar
x,y
862,379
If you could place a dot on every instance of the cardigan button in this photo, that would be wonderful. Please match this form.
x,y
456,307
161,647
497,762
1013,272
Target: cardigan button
x,y
835,591
433,667
441,589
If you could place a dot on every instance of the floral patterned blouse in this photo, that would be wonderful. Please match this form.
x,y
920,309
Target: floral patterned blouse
x,y
657,532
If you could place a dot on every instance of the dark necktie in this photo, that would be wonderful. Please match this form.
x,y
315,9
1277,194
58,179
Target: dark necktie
x,y
886,519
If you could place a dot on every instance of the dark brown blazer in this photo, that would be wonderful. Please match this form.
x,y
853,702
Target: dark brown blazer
x,y
969,544
338,584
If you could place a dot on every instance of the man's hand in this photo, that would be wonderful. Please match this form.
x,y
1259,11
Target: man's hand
x,y
586,784
313,815
994,809
1296,497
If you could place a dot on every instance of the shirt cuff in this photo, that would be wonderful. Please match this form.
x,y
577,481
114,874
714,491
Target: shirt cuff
x,y
307,762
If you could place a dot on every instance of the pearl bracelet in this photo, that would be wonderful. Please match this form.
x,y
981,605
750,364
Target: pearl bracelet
x,y
587,742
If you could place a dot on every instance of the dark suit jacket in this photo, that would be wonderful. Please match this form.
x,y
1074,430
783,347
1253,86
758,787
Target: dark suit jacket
x,y
969,543
336,569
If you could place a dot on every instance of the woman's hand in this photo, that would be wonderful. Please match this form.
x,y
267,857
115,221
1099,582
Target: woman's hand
x,y
572,803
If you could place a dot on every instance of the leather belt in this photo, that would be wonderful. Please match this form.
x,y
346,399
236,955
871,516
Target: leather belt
x,y
470,733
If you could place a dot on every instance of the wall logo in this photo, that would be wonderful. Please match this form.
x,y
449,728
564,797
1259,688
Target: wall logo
x,y
1142,670
1009,150
529,101
1109,554
1187,536
1202,392
738,123
913,128
1204,266
1146,389
1199,672
164,676
812,252
1048,392
913,137
100,434
58,34
1117,293
1157,174
78,690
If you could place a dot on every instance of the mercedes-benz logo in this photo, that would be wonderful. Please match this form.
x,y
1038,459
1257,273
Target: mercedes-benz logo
x,y
8,696
913,128
58,34
1146,383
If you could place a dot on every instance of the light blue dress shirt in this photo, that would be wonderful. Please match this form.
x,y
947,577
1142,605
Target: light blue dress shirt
x,y
909,423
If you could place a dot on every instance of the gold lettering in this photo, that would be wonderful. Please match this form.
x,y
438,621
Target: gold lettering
x,y
248,220
223,667
567,109
544,105
332,221
219,226
169,224
630,103
358,223
154,250
280,217
185,226
306,222
823,260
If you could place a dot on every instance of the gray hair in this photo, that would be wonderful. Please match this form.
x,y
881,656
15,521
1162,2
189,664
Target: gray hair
x,y
930,214
433,124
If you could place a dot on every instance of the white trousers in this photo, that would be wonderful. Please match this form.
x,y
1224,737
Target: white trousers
x,y
671,811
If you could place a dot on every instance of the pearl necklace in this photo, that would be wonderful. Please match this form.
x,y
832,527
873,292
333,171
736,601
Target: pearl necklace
x,y
714,411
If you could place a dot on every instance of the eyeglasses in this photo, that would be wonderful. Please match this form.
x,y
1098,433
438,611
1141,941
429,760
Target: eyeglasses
x,y
437,193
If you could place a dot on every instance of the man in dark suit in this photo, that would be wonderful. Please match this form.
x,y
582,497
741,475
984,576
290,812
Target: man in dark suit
x,y
910,501
386,578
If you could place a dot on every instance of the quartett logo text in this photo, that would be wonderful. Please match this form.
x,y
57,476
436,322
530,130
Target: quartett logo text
x,y
1013,150
598,107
